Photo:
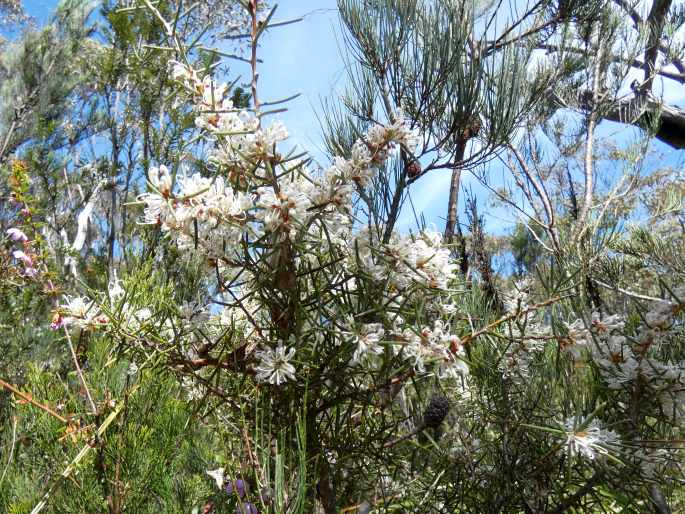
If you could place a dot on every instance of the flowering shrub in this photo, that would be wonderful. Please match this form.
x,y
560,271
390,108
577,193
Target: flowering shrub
x,y
324,333
326,361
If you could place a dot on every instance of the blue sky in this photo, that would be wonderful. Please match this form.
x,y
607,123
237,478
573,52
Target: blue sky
x,y
305,58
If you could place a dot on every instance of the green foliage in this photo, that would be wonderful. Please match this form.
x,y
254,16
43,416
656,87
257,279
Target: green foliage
x,y
152,457
525,248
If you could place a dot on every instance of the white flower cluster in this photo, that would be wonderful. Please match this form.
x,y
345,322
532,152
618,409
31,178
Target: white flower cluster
x,y
581,336
405,261
206,212
245,140
437,348
286,208
259,199
213,214
83,313
518,298
625,360
521,351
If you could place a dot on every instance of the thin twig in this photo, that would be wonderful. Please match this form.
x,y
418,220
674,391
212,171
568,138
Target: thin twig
x,y
578,495
33,402
254,4
468,338
627,292
14,441
79,372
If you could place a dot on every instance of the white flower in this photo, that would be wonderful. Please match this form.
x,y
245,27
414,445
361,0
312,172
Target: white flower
x,y
451,367
132,369
160,179
275,133
589,441
218,476
78,307
180,71
274,366
82,313
431,261
578,338
157,207
517,300
368,341
623,373
402,134
660,315
606,325
193,390
358,168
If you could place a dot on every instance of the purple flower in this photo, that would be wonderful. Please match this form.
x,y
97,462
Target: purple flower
x,y
21,256
246,508
238,486
17,235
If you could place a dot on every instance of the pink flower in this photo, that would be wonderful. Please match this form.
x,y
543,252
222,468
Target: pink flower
x,y
21,256
17,235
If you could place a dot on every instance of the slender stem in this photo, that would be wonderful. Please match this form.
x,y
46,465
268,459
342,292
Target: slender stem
x,y
79,372
655,20
507,317
14,442
542,194
254,5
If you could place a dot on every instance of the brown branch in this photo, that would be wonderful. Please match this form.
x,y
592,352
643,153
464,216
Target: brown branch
x,y
33,402
630,10
670,120
455,183
635,63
